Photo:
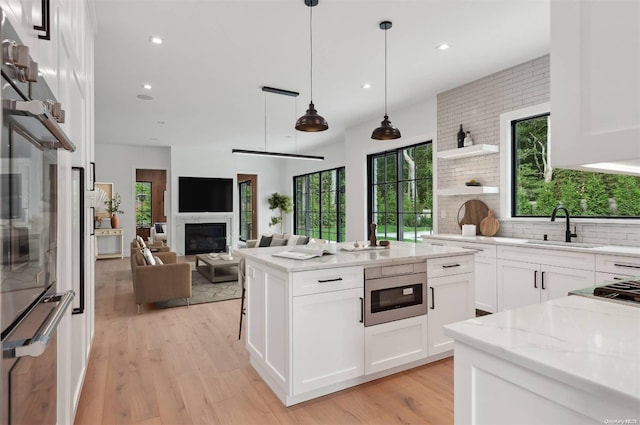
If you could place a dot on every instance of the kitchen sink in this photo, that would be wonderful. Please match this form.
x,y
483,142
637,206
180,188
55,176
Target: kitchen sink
x,y
566,244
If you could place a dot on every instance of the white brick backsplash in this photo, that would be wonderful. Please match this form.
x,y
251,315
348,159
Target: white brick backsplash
x,y
478,105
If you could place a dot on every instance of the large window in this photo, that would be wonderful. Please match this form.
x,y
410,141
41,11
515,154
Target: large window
x,y
401,192
537,187
246,210
319,205
143,204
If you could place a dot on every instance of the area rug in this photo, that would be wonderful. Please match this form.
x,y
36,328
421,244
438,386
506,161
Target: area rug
x,y
203,291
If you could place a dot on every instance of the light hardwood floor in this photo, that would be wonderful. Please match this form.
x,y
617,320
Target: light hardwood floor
x,y
185,365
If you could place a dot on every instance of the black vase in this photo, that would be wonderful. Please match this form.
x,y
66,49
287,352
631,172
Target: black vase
x,y
461,135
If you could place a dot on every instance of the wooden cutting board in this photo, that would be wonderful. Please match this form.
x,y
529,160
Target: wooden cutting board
x,y
472,212
489,225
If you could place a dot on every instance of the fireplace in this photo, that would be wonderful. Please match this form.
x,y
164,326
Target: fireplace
x,y
200,238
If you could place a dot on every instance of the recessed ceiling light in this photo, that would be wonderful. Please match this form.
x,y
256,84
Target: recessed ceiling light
x,y
146,86
156,40
153,138
366,86
443,46
144,97
161,122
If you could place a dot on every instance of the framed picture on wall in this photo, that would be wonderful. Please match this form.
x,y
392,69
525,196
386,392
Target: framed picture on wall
x,y
104,192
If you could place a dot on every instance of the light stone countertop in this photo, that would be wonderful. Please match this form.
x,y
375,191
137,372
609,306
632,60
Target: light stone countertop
x,y
630,251
583,342
397,253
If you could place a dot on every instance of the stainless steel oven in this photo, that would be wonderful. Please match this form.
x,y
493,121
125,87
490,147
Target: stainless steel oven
x,y
30,308
395,292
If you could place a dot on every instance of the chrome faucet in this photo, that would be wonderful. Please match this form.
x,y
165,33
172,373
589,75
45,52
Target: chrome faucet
x,y
567,234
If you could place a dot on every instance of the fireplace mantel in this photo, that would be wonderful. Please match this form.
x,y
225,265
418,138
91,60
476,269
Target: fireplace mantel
x,y
182,219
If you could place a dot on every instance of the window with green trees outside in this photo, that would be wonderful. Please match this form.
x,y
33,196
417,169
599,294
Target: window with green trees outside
x,y
319,205
401,192
143,204
537,187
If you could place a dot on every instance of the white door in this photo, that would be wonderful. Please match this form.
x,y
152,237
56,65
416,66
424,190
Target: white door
x,y
486,287
556,282
448,302
518,284
328,338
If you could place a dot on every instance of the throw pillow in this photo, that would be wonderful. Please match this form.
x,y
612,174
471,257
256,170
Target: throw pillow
x,y
265,241
136,243
302,240
140,259
148,257
278,242
141,241
158,260
293,240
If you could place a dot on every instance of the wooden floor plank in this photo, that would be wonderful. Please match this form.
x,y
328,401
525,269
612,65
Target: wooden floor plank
x,y
185,365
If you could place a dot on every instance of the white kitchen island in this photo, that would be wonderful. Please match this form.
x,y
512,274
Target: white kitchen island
x,y
573,360
306,335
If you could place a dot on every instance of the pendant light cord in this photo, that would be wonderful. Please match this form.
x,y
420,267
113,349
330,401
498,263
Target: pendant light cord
x,y
385,71
265,122
311,49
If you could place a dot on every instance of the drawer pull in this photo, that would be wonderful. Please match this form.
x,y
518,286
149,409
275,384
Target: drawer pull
x,y
629,266
433,299
473,248
329,280
448,266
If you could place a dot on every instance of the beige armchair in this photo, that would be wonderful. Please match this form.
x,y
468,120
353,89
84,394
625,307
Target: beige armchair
x,y
161,282
155,248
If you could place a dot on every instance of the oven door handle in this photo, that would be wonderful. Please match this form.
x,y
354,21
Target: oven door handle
x,y
39,110
38,344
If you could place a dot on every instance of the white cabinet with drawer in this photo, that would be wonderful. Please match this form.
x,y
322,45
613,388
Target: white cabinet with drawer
x,y
618,265
449,297
530,276
327,327
486,292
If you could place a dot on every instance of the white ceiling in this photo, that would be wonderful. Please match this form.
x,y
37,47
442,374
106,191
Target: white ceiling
x,y
217,54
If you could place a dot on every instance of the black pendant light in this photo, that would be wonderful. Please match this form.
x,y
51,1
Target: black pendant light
x,y
311,121
386,131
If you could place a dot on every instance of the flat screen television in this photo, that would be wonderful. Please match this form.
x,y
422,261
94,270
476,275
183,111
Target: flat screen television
x,y
205,194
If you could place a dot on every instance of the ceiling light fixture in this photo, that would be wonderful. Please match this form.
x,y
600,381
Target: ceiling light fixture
x,y
443,46
146,86
386,131
294,94
366,86
311,121
156,40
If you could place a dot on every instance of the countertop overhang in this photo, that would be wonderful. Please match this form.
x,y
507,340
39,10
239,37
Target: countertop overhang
x,y
397,253
630,251
587,343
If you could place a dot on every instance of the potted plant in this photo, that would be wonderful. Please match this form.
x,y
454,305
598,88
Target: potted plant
x,y
284,204
113,208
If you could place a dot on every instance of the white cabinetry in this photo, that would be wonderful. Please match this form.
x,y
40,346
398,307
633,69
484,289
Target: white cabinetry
x,y
395,343
485,287
594,87
449,297
545,275
328,338
615,267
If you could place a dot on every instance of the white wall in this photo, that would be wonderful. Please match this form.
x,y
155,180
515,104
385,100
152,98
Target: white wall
x,y
417,123
117,164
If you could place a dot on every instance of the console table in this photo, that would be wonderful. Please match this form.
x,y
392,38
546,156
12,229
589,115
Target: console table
x,y
102,233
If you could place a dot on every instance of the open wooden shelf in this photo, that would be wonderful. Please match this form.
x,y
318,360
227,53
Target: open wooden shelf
x,y
468,190
469,151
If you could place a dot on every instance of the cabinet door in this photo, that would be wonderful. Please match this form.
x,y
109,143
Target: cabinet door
x,y
328,339
556,282
518,284
449,301
486,288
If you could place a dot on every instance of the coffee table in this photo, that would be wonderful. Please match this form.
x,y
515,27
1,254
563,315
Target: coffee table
x,y
216,269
